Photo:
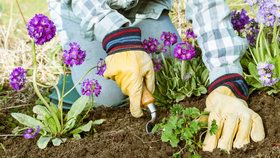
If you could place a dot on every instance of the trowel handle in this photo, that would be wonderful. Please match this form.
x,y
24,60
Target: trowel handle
x,y
147,97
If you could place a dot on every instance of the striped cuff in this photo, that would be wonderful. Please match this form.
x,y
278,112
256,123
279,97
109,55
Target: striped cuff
x,y
235,82
122,40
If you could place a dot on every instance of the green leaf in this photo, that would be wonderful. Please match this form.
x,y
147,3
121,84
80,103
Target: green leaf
x,y
77,136
27,120
214,127
43,142
253,70
44,114
98,122
76,109
58,141
83,128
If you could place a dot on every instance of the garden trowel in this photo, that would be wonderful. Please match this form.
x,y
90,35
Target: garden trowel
x,y
148,102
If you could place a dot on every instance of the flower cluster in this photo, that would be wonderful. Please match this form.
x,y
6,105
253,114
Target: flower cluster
x,y
252,32
265,70
157,64
168,38
74,56
184,51
101,67
18,78
91,86
30,133
151,45
41,29
269,11
190,34
239,20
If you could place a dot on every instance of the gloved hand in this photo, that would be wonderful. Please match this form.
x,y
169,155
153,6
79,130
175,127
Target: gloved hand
x,y
236,122
129,65
122,4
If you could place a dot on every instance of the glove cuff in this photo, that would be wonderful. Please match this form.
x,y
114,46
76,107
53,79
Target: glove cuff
x,y
123,39
235,82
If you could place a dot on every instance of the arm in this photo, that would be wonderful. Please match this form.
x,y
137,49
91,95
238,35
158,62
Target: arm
x,y
221,47
97,17
221,52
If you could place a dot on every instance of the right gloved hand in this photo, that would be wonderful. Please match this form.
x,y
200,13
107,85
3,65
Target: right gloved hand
x,y
122,4
129,65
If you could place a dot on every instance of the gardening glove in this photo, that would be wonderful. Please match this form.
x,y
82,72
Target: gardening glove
x,y
122,4
236,122
129,65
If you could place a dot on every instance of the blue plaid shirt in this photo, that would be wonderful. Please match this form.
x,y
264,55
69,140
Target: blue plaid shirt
x,y
221,47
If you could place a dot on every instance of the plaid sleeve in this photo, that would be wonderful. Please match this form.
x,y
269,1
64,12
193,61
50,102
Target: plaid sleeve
x,y
97,18
221,47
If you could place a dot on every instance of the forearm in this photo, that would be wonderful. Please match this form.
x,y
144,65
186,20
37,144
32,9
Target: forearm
x,y
97,18
221,48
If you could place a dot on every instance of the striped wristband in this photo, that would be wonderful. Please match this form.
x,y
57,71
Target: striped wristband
x,y
122,40
235,82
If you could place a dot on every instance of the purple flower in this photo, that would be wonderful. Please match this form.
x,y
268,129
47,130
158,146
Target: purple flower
x,y
101,67
190,34
151,45
184,51
41,29
252,32
251,2
18,78
269,11
265,70
30,133
74,56
91,86
239,20
157,64
168,38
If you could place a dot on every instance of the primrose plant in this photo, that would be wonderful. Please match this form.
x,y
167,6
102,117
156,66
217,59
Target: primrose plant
x,y
50,122
180,72
263,34
185,126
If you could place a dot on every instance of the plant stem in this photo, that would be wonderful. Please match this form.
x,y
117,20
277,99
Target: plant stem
x,y
35,86
164,61
34,77
183,68
78,82
60,103
275,36
20,11
257,53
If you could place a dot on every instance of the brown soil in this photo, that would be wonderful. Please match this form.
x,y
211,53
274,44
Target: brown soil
x,y
123,136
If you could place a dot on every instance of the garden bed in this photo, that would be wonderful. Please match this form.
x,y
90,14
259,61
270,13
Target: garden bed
x,y
124,136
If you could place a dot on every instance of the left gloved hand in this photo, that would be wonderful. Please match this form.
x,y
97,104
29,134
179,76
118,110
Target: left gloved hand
x,y
236,122
122,4
129,65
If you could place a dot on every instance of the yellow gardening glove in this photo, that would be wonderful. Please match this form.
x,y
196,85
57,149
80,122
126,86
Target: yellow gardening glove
x,y
236,122
131,67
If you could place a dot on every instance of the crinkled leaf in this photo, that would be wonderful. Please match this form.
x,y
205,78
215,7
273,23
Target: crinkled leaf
x,y
98,122
43,142
44,114
27,120
76,109
58,141
83,128
77,136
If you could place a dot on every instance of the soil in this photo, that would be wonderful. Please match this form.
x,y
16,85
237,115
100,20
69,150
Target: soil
x,y
123,136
